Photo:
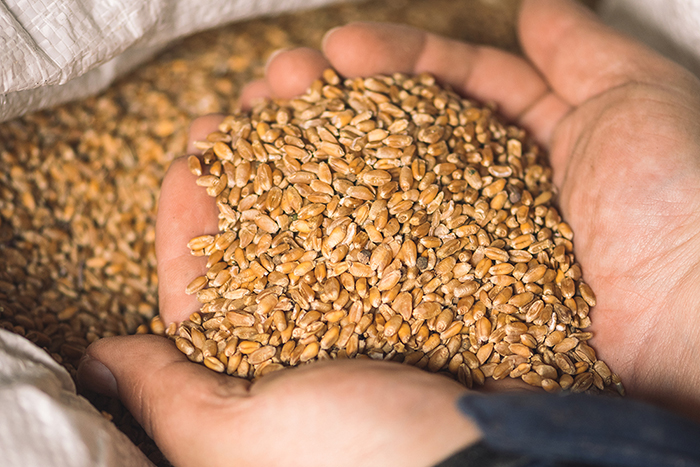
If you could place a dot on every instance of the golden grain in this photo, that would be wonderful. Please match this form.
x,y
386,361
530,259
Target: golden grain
x,y
427,249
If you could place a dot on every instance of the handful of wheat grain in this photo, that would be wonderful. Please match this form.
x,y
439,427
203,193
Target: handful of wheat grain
x,y
387,218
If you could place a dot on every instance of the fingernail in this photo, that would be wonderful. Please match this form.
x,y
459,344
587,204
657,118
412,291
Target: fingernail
x,y
327,35
273,55
95,376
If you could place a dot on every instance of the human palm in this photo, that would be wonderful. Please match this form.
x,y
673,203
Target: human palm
x,y
625,160
619,123
617,120
630,187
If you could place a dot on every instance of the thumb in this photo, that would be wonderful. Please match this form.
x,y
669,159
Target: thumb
x,y
170,397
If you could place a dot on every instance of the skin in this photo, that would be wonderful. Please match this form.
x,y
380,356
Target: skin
x,y
620,125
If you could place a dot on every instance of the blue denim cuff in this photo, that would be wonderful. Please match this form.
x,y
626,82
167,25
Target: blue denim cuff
x,y
577,428
481,455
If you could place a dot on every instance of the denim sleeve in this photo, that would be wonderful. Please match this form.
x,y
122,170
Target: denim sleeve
x,y
545,430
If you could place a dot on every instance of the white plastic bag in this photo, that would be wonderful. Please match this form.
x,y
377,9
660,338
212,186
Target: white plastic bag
x,y
672,27
43,422
53,51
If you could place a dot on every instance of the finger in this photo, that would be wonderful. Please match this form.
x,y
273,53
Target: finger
x,y
184,212
484,73
289,73
253,91
175,401
200,128
579,56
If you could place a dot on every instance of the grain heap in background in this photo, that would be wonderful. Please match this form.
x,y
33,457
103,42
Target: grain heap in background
x,y
387,218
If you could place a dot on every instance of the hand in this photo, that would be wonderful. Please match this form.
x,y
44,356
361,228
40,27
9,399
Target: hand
x,y
620,124
342,413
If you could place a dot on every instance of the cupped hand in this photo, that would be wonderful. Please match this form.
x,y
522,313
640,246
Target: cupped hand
x,y
341,413
620,125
